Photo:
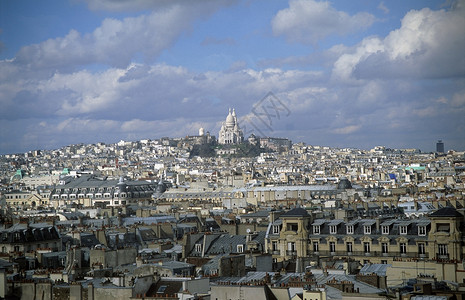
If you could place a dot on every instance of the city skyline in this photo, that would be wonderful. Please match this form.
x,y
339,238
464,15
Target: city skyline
x,y
345,75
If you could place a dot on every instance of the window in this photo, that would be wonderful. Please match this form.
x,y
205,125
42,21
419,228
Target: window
x,y
366,247
350,229
384,262
333,229
198,247
442,249
315,247
291,246
332,247
161,289
349,247
403,248
367,229
385,229
421,248
316,229
443,227
422,230
275,229
240,248
274,245
403,229
384,248
292,227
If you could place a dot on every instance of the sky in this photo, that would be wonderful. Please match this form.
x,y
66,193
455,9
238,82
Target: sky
x,y
358,74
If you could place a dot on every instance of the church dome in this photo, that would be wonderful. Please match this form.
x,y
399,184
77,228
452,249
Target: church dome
x,y
230,119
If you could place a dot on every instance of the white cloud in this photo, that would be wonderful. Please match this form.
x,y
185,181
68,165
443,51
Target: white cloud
x,y
346,64
308,21
116,42
347,129
429,44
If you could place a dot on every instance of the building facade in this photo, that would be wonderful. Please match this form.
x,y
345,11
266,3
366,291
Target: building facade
x,y
435,242
91,191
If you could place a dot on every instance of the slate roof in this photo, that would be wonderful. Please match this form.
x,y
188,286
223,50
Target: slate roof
x,y
22,233
257,214
226,244
320,278
296,212
89,240
378,269
447,211
164,287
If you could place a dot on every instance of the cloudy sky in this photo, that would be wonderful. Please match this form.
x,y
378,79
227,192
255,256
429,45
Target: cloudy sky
x,y
353,73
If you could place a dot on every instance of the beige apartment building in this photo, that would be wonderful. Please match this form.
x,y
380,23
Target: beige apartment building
x,y
430,245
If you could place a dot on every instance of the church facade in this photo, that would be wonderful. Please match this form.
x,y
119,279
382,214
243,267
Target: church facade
x,y
230,133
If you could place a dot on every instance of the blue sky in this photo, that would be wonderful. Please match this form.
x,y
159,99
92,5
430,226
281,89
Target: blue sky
x,y
345,73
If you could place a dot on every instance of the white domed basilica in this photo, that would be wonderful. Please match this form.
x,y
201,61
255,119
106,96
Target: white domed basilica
x,y
230,133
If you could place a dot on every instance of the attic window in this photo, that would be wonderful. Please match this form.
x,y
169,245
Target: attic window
x,y
403,229
276,229
316,229
333,229
350,229
240,248
198,247
443,227
161,289
367,229
385,229
422,230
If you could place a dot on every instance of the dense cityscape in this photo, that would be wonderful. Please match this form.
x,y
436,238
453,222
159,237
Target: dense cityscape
x,y
233,217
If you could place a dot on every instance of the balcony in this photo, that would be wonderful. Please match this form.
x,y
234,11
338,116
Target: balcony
x,y
291,253
442,256
371,253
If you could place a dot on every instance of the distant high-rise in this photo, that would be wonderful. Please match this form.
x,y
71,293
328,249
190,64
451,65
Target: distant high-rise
x,y
230,133
440,147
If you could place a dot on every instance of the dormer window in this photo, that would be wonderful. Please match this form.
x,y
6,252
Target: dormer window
x,y
367,229
403,229
421,230
198,247
240,248
316,229
385,229
350,229
275,229
332,229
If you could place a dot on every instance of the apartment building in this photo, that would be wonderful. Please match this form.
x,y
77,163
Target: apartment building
x,y
435,242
